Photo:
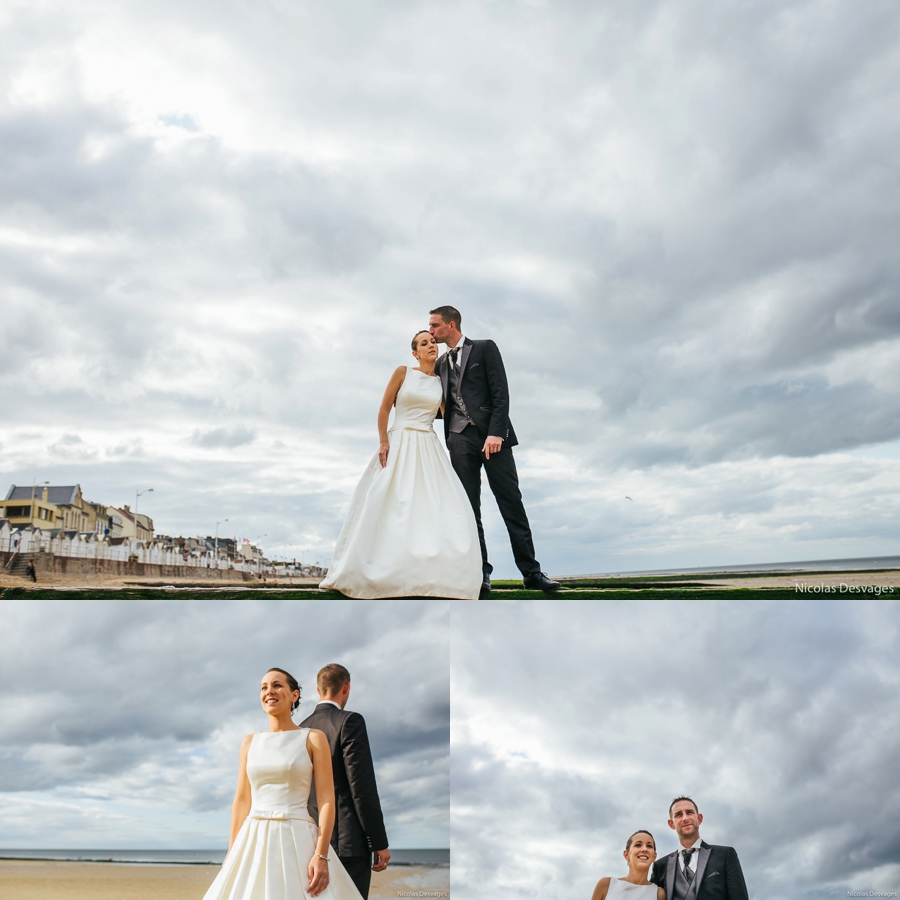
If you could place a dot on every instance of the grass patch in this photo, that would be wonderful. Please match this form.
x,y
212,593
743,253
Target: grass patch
x,y
613,592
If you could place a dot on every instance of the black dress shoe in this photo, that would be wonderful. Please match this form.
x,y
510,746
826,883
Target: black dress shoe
x,y
486,585
538,581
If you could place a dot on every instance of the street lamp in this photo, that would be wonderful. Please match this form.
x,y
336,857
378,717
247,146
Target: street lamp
x,y
218,523
137,494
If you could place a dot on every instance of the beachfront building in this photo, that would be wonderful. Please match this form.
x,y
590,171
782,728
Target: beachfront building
x,y
249,551
49,507
139,527
29,505
116,522
102,519
77,513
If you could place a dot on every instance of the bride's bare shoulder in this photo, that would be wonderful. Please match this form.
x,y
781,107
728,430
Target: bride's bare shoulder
x,y
398,376
602,889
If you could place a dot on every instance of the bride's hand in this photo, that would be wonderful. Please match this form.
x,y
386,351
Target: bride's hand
x,y
383,450
318,876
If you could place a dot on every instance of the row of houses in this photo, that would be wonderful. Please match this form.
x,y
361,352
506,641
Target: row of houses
x,y
27,541
57,519
63,507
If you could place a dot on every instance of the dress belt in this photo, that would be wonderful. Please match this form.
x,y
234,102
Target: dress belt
x,y
411,428
280,815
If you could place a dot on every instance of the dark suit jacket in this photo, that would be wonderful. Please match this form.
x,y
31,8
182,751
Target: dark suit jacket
x,y
358,822
718,874
484,389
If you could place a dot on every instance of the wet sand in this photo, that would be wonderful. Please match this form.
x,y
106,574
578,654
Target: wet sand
x,y
887,578
47,880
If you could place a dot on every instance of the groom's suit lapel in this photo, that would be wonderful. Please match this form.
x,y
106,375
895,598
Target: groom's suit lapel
x,y
703,859
670,875
464,358
445,375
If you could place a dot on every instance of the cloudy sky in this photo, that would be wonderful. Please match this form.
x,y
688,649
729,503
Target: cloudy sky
x,y
220,224
574,725
121,722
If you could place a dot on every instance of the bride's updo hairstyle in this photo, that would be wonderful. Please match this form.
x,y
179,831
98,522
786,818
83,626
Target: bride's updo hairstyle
x,y
640,831
292,684
414,346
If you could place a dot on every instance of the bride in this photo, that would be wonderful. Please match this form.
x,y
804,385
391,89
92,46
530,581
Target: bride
x,y
640,853
410,530
276,850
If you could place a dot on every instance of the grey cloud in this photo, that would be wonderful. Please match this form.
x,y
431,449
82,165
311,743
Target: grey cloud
x,y
73,447
677,224
223,437
576,723
127,448
149,701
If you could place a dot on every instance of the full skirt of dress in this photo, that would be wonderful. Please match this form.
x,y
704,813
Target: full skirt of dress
x,y
269,861
410,530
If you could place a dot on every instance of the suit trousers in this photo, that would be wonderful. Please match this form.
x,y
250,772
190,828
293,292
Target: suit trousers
x,y
359,868
467,459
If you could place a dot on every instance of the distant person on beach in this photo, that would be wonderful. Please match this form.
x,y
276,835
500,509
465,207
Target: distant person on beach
x,y
410,531
640,854
31,570
359,824
698,871
480,436
277,851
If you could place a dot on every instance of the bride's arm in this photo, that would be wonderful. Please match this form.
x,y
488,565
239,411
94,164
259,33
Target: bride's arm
x,y
320,753
602,889
241,806
384,412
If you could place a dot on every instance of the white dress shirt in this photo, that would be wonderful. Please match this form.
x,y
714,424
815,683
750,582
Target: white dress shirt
x,y
337,705
695,856
462,340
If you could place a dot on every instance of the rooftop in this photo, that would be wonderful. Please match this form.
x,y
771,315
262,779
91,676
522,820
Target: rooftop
x,y
60,495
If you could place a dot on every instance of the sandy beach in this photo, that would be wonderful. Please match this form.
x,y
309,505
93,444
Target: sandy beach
x,y
113,582
48,880
851,580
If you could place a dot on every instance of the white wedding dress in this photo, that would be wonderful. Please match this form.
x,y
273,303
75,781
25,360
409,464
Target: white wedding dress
x,y
271,853
410,530
625,889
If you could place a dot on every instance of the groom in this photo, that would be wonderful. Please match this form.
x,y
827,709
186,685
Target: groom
x,y
698,871
479,433
358,823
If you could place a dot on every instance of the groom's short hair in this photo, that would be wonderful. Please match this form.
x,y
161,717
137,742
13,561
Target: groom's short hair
x,y
332,678
448,314
681,800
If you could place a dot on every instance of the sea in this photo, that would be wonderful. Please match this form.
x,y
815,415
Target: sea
x,y
860,564
425,858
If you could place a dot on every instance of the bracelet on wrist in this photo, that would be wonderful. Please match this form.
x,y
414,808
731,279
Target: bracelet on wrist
x,y
322,857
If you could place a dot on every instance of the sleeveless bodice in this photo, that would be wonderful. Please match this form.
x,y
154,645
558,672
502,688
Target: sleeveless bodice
x,y
270,856
280,773
418,401
631,891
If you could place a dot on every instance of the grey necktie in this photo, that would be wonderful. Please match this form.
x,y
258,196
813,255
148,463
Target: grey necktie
x,y
453,355
688,874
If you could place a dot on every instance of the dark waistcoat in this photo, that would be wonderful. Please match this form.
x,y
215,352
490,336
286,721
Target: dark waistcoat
x,y
456,411
680,891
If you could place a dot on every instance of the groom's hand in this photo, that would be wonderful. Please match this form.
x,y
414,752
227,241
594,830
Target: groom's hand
x,y
492,445
382,858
